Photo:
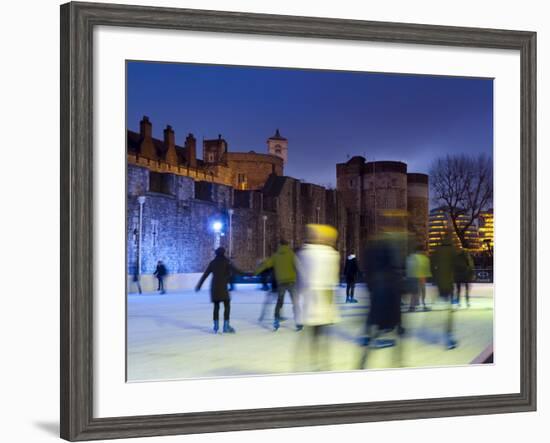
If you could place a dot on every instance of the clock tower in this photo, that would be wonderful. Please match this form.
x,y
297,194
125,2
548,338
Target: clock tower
x,y
278,145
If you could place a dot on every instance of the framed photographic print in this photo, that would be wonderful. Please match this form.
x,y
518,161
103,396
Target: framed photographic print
x,y
273,221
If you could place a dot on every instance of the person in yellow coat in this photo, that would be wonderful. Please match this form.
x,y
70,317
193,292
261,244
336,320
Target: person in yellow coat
x,y
418,270
319,272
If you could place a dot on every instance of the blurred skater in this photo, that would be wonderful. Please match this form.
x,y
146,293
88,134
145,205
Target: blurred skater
x,y
384,262
268,276
160,273
351,269
136,278
222,270
443,265
464,274
418,270
319,275
283,263
265,278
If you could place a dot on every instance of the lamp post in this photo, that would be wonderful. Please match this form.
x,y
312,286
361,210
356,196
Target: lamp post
x,y
230,212
141,201
317,212
264,218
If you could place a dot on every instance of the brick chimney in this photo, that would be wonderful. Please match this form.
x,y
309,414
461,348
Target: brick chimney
x,y
147,148
145,128
170,146
191,150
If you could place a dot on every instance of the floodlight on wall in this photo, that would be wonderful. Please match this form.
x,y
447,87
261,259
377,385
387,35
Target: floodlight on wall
x,y
217,227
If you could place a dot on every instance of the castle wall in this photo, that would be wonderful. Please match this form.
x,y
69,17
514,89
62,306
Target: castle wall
x,y
220,195
137,180
312,204
248,237
418,207
217,173
336,215
175,225
289,212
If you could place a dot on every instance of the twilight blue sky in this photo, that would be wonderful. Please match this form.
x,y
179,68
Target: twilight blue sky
x,y
326,115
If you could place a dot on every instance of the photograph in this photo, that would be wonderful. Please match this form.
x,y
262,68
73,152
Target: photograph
x,y
286,221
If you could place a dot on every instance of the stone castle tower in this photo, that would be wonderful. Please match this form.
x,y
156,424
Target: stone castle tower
x,y
382,195
278,145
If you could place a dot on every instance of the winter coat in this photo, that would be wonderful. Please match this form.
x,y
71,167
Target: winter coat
x,y
464,267
418,266
160,271
319,275
443,268
351,269
283,263
222,270
384,273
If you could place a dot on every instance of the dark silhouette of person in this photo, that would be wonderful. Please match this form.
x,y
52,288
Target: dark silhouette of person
x,y
443,264
384,267
464,274
160,273
136,278
222,271
351,270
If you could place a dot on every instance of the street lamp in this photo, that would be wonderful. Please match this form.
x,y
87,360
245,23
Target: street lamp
x,y
230,212
141,201
217,228
264,218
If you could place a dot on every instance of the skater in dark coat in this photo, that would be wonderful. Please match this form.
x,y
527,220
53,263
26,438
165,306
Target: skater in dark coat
x,y
443,265
464,274
384,274
160,273
351,270
136,278
222,271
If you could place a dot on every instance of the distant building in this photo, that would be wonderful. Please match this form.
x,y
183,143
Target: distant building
x,y
486,230
440,223
438,228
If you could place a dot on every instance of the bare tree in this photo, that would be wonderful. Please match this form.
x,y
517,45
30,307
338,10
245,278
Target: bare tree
x,y
463,186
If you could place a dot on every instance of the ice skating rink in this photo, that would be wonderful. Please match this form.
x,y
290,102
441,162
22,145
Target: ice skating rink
x,y
170,336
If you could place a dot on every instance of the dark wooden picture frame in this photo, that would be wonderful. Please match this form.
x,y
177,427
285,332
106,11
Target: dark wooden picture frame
x,y
77,216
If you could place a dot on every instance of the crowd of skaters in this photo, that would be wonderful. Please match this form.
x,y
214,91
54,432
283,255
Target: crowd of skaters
x,y
311,275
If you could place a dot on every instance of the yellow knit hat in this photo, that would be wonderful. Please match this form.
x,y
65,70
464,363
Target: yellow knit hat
x,y
321,234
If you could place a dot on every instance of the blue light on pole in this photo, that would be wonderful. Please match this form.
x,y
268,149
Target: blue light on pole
x,y
217,227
